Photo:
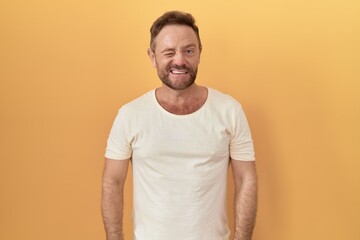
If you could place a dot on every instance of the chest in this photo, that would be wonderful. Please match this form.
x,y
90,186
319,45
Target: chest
x,y
181,139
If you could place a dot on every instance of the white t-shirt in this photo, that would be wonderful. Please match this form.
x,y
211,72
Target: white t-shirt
x,y
180,165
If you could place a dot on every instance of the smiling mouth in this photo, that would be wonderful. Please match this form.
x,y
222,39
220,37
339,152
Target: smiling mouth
x,y
178,72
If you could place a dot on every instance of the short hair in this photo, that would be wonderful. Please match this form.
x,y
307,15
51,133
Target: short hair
x,y
173,18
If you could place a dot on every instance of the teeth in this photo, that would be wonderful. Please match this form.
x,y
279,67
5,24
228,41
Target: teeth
x,y
178,72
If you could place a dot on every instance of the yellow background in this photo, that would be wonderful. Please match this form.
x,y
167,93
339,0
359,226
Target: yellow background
x,y
67,66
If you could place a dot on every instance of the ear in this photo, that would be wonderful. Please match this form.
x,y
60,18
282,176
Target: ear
x,y
200,51
152,57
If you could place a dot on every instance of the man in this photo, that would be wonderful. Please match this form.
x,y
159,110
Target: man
x,y
180,139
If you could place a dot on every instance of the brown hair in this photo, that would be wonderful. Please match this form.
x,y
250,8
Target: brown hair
x,y
173,18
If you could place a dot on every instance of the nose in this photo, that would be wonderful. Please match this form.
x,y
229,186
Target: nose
x,y
179,58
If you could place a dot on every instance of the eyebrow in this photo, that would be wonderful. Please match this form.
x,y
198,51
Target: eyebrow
x,y
190,45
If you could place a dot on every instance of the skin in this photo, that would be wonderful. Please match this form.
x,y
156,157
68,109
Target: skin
x,y
245,198
112,197
176,58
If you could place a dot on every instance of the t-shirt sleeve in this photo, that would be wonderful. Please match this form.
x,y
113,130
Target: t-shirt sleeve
x,y
119,143
241,143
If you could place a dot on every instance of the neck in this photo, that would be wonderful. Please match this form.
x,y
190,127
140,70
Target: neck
x,y
181,102
177,96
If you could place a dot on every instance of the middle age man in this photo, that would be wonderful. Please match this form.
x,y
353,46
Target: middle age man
x,y
180,138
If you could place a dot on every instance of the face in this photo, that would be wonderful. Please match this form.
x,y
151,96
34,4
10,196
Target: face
x,y
176,56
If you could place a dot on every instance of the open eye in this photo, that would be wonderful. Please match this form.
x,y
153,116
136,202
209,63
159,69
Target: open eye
x,y
189,51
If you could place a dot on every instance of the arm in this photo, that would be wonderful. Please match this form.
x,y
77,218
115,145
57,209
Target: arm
x,y
112,197
245,198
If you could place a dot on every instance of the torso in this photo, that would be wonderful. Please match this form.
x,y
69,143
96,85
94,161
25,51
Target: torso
x,y
180,163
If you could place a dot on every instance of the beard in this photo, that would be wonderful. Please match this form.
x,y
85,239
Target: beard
x,y
177,84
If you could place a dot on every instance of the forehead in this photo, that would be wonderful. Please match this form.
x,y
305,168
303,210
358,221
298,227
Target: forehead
x,y
176,36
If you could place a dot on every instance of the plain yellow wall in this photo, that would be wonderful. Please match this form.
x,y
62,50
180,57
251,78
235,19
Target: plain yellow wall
x,y
67,66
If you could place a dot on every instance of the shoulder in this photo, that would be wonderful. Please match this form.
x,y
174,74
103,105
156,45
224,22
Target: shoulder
x,y
223,100
139,104
136,109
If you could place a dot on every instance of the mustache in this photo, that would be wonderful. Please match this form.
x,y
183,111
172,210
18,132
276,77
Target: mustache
x,y
178,67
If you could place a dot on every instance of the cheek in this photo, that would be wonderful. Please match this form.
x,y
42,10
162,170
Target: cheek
x,y
195,63
162,64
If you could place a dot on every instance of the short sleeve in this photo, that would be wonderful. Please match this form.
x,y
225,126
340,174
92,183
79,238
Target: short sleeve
x,y
241,143
119,143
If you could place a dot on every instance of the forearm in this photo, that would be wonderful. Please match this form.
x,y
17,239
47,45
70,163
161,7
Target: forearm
x,y
112,209
245,208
